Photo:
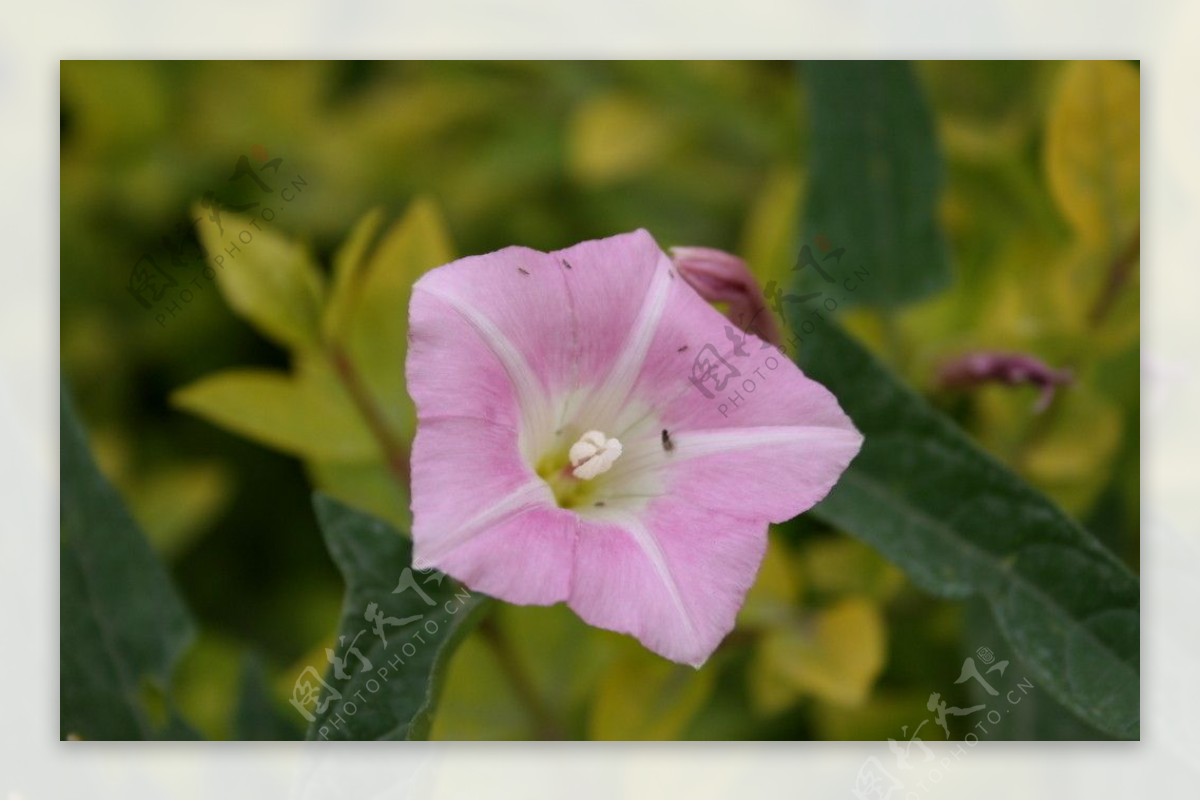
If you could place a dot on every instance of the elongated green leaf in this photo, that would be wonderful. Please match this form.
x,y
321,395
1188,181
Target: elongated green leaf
x,y
375,333
267,278
123,626
348,264
875,177
1029,713
307,413
960,523
398,629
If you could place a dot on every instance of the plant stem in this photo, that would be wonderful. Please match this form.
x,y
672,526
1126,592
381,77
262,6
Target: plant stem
x,y
395,452
546,724
1119,271
1118,275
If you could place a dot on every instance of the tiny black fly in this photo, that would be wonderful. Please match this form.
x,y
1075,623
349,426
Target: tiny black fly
x,y
668,445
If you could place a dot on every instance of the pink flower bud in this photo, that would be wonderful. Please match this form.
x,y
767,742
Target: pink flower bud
x,y
721,277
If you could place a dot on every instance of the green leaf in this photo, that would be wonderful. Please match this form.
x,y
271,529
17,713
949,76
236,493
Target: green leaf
x,y
307,413
1093,149
122,624
959,523
266,278
348,264
1035,715
875,178
424,618
367,485
375,333
835,654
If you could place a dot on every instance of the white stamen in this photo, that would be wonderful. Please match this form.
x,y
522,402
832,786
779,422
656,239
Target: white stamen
x,y
593,454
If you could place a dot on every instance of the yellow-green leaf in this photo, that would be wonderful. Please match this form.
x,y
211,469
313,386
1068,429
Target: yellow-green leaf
x,y
306,414
348,264
644,697
266,278
376,332
367,485
1093,143
836,655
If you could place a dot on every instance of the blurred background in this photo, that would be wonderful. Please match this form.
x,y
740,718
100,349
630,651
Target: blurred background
x,y
834,643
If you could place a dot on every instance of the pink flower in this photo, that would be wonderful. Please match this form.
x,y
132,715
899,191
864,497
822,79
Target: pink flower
x,y
587,434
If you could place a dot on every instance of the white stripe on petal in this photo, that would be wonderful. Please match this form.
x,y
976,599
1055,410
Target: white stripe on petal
x,y
526,496
692,444
710,442
647,542
531,396
613,392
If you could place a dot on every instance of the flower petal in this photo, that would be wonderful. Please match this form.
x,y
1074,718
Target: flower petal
x,y
619,288
546,324
501,347
482,516
502,317
673,576
524,559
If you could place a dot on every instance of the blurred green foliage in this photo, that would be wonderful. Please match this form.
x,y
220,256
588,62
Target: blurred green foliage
x,y
216,412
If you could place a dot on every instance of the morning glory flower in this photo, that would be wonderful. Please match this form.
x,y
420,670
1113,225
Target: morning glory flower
x,y
590,431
